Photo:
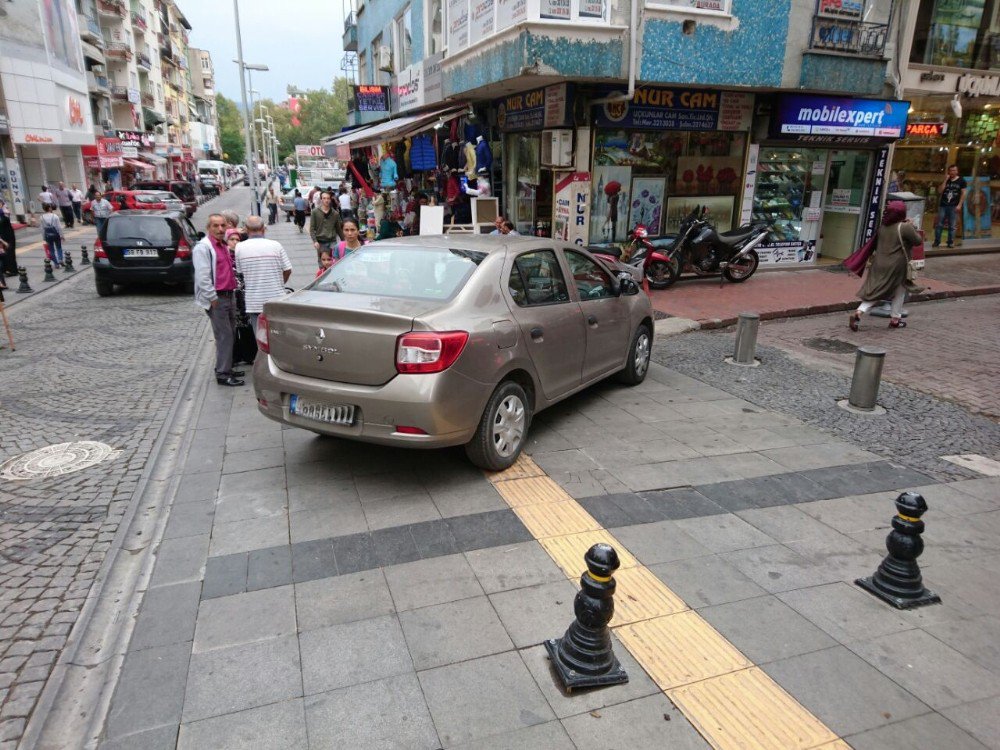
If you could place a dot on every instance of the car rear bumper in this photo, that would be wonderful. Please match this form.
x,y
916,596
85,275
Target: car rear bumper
x,y
446,405
176,273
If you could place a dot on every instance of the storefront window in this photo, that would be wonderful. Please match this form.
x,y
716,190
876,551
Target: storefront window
x,y
524,180
958,34
655,178
787,180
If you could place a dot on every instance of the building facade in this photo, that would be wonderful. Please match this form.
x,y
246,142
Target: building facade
x,y
603,114
203,130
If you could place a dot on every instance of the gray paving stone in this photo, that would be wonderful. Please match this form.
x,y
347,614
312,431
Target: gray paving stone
x,y
190,519
845,612
180,560
399,510
471,496
354,553
806,457
388,713
932,671
453,632
353,652
277,726
763,492
639,685
482,698
225,575
723,533
681,503
434,581
778,568
929,730
245,618
327,522
786,523
637,725
606,512
659,542
704,581
978,719
534,614
978,639
167,616
866,477
311,560
970,581
234,679
251,460
339,495
433,539
269,567
394,546
332,601
198,487
251,534
778,631
150,690
549,736
843,691
513,566
564,462
160,738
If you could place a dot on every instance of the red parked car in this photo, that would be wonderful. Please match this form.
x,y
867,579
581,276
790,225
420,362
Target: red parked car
x,y
136,200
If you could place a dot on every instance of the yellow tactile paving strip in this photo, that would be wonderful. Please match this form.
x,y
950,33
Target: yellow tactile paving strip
x,y
731,702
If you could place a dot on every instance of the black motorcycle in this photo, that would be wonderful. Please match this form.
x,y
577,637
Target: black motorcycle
x,y
698,248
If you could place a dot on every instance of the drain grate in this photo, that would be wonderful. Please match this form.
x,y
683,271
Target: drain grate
x,y
833,346
56,460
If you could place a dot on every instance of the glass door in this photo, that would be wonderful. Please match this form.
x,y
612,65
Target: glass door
x,y
847,180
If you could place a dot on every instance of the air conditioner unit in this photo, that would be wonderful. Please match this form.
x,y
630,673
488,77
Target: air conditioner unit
x,y
384,59
107,125
557,148
97,70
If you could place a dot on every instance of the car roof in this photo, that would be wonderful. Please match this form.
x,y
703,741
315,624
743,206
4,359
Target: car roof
x,y
483,243
170,213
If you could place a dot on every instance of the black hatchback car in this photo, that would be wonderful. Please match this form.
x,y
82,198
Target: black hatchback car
x,y
143,247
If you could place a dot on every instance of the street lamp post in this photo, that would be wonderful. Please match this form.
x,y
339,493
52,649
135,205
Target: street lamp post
x,y
251,176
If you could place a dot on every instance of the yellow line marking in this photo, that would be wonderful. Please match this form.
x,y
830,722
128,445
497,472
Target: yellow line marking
x,y
731,702
749,710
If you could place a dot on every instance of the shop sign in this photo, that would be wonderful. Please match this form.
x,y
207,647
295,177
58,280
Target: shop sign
x,y
875,197
749,183
371,98
105,154
310,152
35,138
458,25
547,107
851,9
15,186
513,12
74,111
659,108
827,119
973,85
133,95
418,85
931,77
927,129
555,10
132,141
572,209
483,20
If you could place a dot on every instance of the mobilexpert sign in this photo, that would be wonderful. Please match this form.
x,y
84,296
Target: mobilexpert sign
x,y
825,119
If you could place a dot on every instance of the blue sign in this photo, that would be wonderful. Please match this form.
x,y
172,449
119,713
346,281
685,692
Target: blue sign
x,y
829,119
659,108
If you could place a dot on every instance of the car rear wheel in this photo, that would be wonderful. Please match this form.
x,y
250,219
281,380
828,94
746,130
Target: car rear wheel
x,y
502,429
638,357
105,288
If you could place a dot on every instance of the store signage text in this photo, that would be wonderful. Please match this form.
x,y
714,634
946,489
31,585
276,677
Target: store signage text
x,y
313,152
32,138
658,108
927,129
75,110
536,109
973,86
132,141
371,98
875,198
817,118
931,77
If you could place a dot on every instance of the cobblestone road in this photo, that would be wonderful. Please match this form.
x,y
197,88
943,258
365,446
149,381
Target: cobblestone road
x,y
85,368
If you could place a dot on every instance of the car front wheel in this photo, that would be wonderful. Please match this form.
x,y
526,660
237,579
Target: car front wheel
x,y
502,429
637,364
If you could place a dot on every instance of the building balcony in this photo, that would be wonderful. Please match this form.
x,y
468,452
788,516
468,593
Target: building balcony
x,y
350,33
97,84
111,8
118,51
90,31
143,62
140,22
147,99
848,37
119,93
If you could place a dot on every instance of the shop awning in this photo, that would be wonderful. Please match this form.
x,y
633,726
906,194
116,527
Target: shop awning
x,y
152,158
151,116
391,129
138,165
92,53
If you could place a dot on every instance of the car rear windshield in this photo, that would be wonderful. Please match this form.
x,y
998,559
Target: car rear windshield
x,y
386,270
155,230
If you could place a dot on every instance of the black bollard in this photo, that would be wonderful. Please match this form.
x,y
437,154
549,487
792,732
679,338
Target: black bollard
x,y
22,276
84,256
68,263
583,656
898,580
47,265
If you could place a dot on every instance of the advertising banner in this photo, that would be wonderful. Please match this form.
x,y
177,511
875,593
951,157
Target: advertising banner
x,y
661,108
875,194
310,152
826,119
572,210
547,107
458,25
483,18
15,186
511,12
132,141
371,98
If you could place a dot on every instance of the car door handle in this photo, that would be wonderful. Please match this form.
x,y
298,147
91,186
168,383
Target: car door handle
x,y
592,320
536,333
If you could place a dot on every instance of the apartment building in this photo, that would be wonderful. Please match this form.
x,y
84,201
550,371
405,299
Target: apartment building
x,y
202,128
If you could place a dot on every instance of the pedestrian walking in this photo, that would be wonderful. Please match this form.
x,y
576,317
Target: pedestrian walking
x,y
272,204
265,267
65,200
46,198
351,242
951,198
888,273
76,196
101,208
52,233
346,204
8,262
214,287
325,225
300,204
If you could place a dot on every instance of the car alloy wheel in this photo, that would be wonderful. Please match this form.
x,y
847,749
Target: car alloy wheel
x,y
641,358
508,426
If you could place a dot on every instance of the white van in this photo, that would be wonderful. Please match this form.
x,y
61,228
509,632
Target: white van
x,y
212,171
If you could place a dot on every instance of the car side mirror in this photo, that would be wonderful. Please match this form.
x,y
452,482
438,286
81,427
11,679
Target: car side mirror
x,y
626,284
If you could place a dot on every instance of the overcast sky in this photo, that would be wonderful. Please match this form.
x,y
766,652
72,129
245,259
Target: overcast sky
x,y
299,40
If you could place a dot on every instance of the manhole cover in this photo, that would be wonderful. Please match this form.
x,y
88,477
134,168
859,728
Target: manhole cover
x,y
834,346
56,460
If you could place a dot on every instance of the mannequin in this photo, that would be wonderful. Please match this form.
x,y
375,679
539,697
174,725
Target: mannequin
x,y
482,188
484,157
470,160
450,157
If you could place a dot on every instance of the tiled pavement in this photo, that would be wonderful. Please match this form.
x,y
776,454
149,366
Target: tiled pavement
x,y
311,592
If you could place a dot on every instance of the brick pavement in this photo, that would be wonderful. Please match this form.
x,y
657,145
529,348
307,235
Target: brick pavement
x,y
85,368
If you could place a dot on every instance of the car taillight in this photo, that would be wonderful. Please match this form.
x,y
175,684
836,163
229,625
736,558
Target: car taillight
x,y
429,351
262,339
183,250
99,249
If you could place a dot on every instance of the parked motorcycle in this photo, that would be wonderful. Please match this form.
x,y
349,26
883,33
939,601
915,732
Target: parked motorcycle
x,y
642,258
698,248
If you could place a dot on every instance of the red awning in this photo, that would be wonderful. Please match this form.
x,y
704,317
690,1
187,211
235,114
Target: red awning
x,y
139,166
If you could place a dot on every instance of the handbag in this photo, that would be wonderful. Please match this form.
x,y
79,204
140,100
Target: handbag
x,y
911,265
855,262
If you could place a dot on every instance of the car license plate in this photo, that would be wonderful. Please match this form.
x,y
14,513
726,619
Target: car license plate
x,y
329,413
141,252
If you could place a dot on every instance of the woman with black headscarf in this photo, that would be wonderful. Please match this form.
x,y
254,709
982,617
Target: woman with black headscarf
x,y
886,277
8,261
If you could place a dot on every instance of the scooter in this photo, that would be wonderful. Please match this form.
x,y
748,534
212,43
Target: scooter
x,y
641,257
700,249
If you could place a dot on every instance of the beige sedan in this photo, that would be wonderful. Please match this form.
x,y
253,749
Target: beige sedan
x,y
438,341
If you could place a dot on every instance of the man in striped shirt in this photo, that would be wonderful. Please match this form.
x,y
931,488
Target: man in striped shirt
x,y
265,268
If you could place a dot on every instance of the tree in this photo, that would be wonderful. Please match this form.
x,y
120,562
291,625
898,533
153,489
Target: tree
x,y
230,130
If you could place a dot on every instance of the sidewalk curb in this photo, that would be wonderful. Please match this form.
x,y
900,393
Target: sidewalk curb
x,y
72,708
800,312
13,298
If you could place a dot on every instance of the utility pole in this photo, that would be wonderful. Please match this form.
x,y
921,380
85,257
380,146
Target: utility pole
x,y
251,169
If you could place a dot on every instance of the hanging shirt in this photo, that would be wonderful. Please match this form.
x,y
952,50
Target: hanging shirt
x,y
388,174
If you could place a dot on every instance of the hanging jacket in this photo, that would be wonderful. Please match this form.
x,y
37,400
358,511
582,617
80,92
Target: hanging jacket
x,y
399,154
451,157
470,160
388,174
422,156
484,157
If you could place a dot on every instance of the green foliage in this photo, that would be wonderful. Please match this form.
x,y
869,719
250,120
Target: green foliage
x,y
230,130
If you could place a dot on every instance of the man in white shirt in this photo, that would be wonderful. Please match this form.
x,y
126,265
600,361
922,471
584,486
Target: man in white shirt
x,y
265,267
46,198
76,195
